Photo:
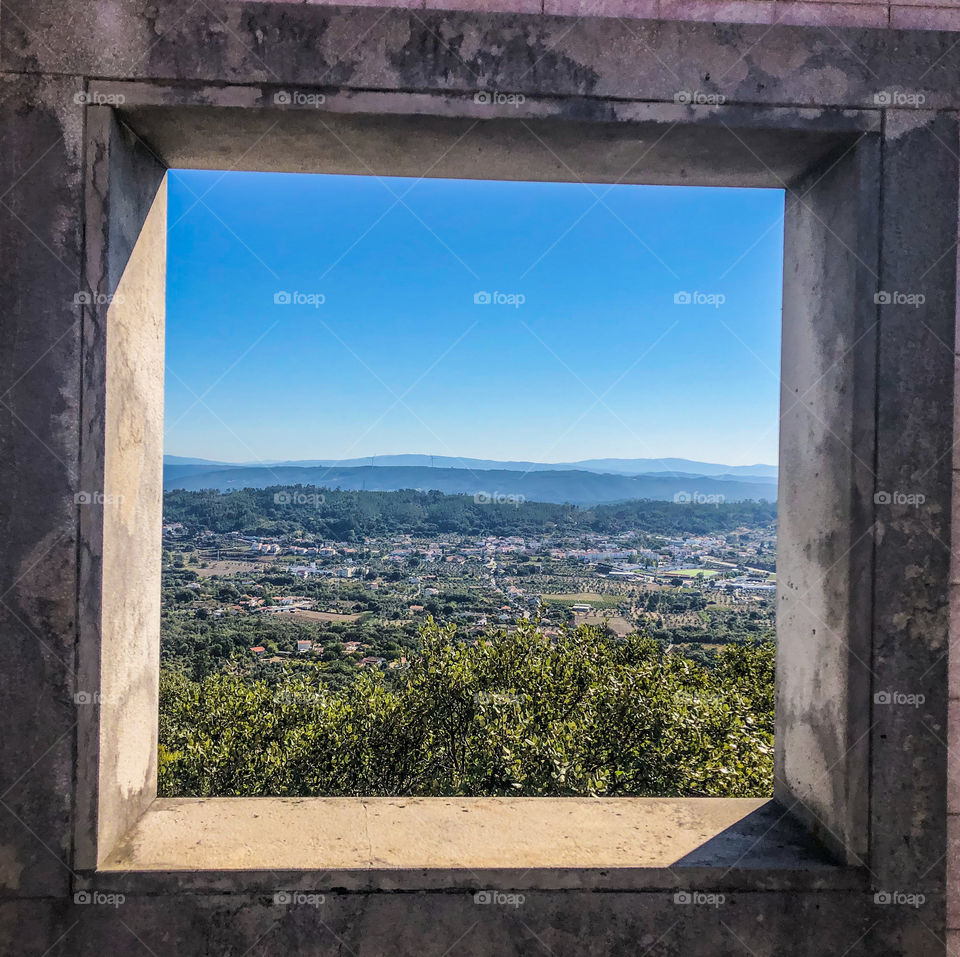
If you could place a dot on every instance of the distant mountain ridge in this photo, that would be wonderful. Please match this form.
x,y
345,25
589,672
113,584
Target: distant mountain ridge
x,y
606,466
550,484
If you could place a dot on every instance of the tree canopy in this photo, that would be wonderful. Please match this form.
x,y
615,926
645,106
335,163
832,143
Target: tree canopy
x,y
515,713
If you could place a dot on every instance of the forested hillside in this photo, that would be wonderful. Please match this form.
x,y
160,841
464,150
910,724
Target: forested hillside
x,y
347,516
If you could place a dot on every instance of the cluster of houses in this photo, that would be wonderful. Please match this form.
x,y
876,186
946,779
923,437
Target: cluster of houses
x,y
308,571
349,647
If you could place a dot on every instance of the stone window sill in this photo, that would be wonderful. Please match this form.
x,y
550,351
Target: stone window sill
x,y
374,844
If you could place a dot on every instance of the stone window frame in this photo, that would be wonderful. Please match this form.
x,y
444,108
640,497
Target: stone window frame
x,y
831,160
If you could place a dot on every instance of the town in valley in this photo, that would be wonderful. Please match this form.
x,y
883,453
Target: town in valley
x,y
266,604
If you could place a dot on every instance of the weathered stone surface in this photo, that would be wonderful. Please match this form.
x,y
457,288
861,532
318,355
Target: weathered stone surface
x,y
224,41
915,435
41,216
121,454
409,925
872,209
825,499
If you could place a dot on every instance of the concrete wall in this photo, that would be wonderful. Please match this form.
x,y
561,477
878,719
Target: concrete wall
x,y
121,473
827,431
882,14
859,125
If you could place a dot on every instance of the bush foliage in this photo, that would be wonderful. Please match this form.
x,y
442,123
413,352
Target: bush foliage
x,y
519,713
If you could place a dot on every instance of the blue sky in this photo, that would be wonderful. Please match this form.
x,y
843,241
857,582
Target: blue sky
x,y
383,348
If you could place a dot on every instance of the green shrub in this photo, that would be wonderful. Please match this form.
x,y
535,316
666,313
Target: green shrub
x,y
517,713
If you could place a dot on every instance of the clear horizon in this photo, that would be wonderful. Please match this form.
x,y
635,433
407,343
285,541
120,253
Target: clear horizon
x,y
328,458
512,321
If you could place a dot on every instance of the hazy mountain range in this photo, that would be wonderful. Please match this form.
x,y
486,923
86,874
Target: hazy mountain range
x,y
590,482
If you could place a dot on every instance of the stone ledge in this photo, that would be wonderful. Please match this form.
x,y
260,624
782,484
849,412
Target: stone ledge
x,y
371,844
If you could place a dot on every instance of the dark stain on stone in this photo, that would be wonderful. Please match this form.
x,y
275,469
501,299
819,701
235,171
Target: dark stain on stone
x,y
509,59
